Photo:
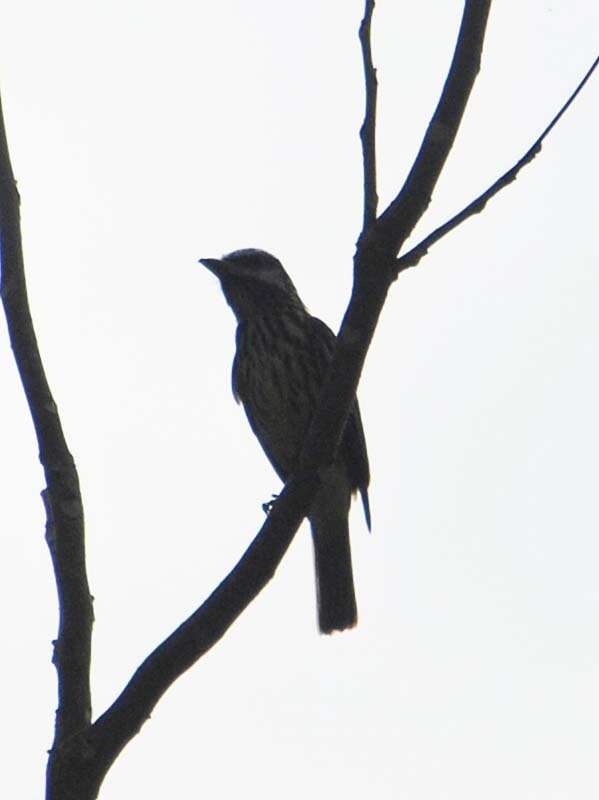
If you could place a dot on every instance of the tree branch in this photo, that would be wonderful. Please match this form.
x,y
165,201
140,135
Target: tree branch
x,y
191,640
413,256
380,240
83,753
393,227
368,129
205,627
65,530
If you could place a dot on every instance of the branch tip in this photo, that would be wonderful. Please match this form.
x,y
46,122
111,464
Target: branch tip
x,y
417,253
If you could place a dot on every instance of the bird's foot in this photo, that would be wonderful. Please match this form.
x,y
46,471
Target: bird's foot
x,y
267,507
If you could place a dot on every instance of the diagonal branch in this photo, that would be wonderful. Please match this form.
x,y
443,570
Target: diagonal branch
x,y
397,222
379,243
368,129
83,761
203,629
413,256
79,763
62,499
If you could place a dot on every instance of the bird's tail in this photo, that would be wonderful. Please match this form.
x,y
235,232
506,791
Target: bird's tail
x,y
335,595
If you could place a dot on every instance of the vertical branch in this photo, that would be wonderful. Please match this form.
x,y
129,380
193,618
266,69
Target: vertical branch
x,y
62,498
368,129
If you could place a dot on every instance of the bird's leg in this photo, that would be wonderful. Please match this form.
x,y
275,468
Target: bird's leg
x,y
267,507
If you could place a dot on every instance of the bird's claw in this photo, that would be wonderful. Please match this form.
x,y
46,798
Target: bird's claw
x,y
267,507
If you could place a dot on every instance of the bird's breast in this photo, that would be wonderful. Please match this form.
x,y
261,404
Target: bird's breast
x,y
277,378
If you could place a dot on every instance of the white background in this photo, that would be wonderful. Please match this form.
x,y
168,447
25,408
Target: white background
x,y
146,135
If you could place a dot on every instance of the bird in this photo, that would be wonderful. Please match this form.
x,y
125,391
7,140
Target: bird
x,y
281,359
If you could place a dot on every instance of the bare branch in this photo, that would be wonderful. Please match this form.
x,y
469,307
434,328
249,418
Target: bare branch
x,y
368,129
194,637
378,245
63,499
397,222
413,256
79,763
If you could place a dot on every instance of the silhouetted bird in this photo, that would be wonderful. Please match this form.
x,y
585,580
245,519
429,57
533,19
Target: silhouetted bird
x,y
281,360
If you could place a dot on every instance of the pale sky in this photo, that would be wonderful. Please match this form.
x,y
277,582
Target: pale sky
x,y
147,135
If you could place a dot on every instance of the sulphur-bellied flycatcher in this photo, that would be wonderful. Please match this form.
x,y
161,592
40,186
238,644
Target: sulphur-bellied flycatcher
x,y
281,360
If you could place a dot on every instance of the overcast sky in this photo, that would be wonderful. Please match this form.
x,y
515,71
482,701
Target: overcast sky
x,y
147,135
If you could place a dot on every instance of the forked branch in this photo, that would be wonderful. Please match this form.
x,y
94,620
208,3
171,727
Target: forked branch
x,y
413,256
396,223
382,238
83,753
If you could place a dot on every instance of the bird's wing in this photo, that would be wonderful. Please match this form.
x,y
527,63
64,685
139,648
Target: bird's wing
x,y
352,448
242,395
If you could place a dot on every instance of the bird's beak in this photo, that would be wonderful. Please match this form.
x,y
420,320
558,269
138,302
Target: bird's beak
x,y
215,265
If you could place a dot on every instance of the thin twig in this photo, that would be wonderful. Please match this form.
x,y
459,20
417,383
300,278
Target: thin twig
x,y
413,256
368,129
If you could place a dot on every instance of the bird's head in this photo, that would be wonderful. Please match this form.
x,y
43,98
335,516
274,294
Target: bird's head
x,y
254,283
